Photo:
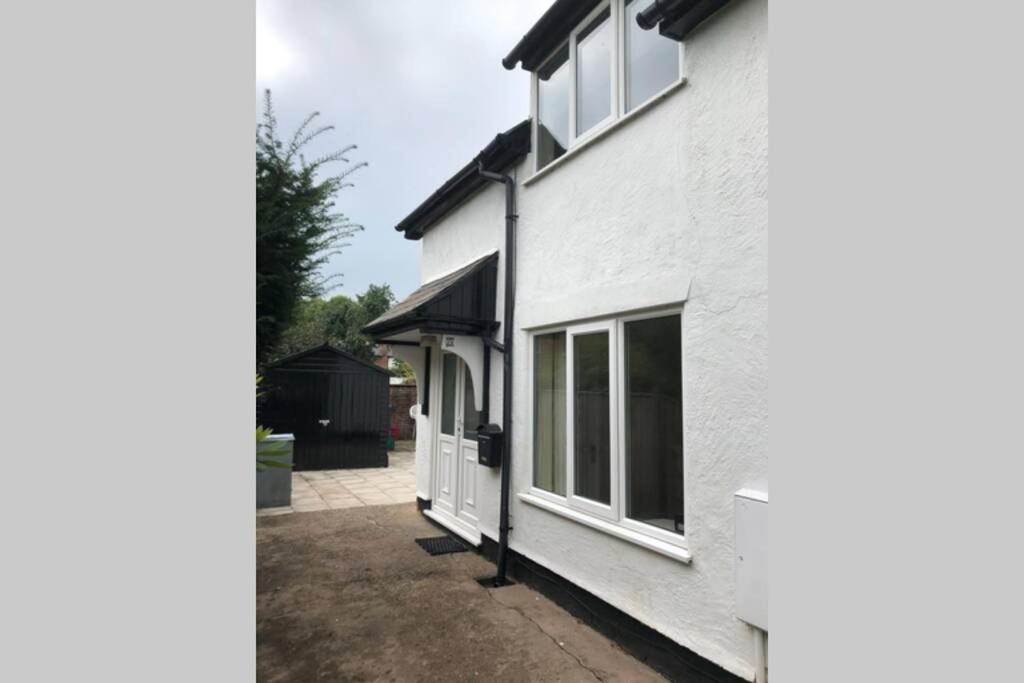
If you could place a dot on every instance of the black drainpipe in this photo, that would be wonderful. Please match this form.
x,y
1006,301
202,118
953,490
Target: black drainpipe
x,y
506,383
485,414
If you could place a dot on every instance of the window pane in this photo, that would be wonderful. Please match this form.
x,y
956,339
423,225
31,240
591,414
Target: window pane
x,y
470,415
594,73
654,422
652,60
591,463
549,413
448,394
553,108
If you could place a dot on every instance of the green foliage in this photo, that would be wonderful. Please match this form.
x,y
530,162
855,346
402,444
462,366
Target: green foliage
x,y
337,321
376,300
402,369
267,451
297,229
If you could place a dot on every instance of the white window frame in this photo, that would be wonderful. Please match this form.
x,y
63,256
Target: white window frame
x,y
550,496
610,518
613,73
611,510
621,45
618,80
635,524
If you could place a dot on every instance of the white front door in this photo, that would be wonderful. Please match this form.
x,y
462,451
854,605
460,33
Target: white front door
x,y
455,473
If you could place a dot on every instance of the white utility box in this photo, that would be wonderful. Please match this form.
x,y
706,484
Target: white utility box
x,y
752,557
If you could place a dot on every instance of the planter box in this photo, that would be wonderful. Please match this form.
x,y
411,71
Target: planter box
x,y
274,484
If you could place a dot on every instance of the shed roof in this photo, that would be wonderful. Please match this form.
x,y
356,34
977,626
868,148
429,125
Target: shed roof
x,y
315,360
461,302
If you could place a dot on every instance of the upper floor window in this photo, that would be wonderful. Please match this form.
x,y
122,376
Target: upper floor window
x,y
594,47
553,106
652,60
607,68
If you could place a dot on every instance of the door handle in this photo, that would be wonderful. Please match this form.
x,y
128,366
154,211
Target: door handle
x,y
324,423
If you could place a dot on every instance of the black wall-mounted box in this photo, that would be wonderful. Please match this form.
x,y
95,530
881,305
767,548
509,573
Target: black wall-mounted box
x,y
490,441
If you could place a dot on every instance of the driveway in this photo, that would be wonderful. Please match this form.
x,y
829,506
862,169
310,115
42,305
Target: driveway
x,y
342,489
347,595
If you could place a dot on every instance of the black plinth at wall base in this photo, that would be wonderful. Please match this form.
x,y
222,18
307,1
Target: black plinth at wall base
x,y
659,652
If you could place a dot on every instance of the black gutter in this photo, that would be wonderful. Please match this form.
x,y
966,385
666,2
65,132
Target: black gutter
x,y
550,31
500,153
676,18
506,384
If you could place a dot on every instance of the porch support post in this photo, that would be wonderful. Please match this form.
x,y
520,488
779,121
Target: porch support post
x,y
416,358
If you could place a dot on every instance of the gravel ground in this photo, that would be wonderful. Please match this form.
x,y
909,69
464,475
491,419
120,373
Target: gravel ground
x,y
346,595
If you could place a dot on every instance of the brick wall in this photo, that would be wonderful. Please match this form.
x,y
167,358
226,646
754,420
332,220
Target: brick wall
x,y
403,397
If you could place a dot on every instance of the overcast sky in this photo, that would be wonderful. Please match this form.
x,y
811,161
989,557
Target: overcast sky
x,y
417,84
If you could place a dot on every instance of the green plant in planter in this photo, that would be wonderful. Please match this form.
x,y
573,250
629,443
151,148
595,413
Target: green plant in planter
x,y
267,451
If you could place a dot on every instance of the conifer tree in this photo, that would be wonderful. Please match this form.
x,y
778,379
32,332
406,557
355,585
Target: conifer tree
x,y
297,228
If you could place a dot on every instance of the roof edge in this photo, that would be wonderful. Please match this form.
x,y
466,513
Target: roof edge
x,y
376,327
548,32
505,149
326,346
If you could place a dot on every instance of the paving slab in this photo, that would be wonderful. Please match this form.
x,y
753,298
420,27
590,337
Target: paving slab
x,y
317,490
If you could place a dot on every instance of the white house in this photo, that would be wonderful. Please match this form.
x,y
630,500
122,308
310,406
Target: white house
x,y
595,285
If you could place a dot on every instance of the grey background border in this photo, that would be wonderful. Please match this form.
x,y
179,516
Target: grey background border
x,y
896,341
127,297
128,346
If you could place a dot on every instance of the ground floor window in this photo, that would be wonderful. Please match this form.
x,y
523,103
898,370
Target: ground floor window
x,y
549,416
653,421
608,420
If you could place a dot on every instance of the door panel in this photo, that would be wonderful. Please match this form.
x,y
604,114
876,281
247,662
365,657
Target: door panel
x,y
448,441
456,469
470,420
468,484
303,400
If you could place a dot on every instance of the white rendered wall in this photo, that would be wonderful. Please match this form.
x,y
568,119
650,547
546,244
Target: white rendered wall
x,y
675,199
473,230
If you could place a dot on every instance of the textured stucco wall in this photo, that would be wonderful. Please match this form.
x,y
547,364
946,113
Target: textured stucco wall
x,y
675,199
476,228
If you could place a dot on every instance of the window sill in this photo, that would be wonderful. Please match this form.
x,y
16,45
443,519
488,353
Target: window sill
x,y
602,133
671,550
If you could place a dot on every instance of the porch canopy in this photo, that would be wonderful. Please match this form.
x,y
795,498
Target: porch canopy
x,y
459,307
461,302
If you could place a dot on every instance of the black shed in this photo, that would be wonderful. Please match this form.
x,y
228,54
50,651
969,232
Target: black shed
x,y
335,404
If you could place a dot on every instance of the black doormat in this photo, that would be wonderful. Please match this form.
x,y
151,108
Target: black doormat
x,y
442,545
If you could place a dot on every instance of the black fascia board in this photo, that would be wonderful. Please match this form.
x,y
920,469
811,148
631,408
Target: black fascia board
x,y
677,18
505,149
429,325
551,30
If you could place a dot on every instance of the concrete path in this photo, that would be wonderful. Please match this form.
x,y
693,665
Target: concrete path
x,y
341,489
347,595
